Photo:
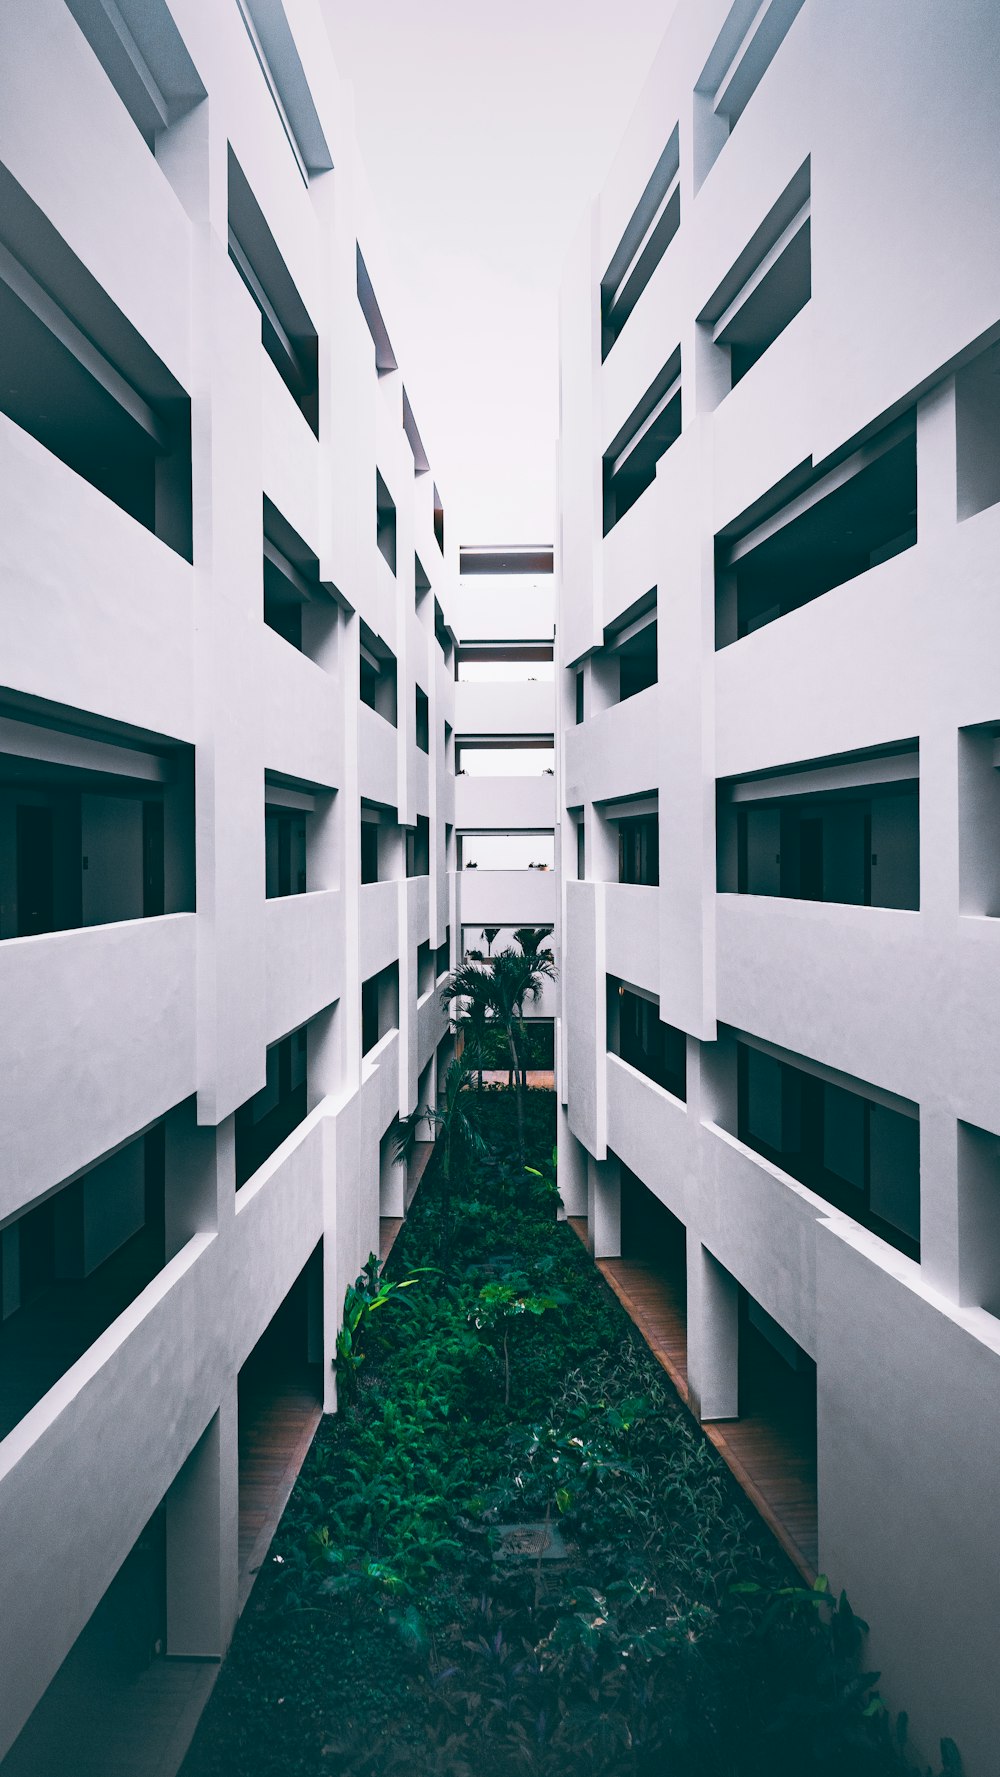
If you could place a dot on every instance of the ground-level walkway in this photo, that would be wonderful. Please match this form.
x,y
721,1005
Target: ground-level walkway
x,y
771,1447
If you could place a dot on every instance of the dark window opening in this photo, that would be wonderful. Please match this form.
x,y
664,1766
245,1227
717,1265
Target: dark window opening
x,y
76,375
268,1118
379,1006
297,605
423,721
857,1154
856,842
651,228
441,632
287,333
578,693
637,665
418,847
443,955
639,1036
426,960
639,850
629,465
378,675
852,518
369,850
768,285
108,838
285,852
73,1264
421,583
438,521
385,522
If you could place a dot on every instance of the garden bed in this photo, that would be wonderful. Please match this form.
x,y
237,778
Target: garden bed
x,y
515,1552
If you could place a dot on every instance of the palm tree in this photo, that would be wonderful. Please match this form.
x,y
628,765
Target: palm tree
x,y
531,939
490,934
499,989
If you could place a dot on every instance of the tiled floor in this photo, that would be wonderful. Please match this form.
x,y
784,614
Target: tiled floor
x,y
771,1448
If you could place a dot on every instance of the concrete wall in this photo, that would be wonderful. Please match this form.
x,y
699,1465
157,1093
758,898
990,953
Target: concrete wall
x,y
908,1358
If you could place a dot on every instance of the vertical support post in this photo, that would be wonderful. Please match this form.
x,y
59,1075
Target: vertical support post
x,y
203,1542
713,1335
604,1218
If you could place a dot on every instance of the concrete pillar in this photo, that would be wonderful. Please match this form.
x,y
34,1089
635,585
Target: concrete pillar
x,y
601,845
203,1542
713,1334
325,1061
604,1208
199,1176
713,1085
937,462
939,1198
573,1184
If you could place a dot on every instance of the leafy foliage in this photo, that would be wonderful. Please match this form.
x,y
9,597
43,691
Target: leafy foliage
x,y
392,1633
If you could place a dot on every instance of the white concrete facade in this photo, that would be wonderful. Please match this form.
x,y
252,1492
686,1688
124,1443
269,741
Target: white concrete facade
x,y
810,255
505,710
139,670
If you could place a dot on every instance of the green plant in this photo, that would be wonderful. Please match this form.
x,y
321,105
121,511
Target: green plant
x,y
458,1139
499,1305
498,989
369,1292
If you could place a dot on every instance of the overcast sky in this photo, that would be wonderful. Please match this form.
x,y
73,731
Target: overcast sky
x,y
485,130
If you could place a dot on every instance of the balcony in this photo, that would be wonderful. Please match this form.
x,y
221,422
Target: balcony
x,y
632,934
505,803
513,707
304,941
377,756
610,755
99,1040
379,926
506,897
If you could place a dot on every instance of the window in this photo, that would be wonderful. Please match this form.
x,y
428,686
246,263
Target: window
x,y
92,830
287,333
421,586
72,1264
979,819
443,955
426,959
379,1006
438,521
844,830
581,847
578,693
977,419
837,524
144,56
630,460
743,51
76,375
264,1121
768,285
296,603
369,848
637,1034
442,634
857,1152
378,675
418,847
385,522
639,849
423,722
650,230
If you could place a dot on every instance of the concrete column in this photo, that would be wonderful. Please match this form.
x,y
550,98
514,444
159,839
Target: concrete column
x,y
325,1060
203,1542
716,1087
573,1183
604,1208
937,462
600,845
199,1176
713,1334
939,1198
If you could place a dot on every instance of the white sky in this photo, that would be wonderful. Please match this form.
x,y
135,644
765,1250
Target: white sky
x,y
485,128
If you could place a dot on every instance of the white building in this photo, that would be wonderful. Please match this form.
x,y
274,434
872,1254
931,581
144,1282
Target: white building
x,y
505,799
778,636
224,796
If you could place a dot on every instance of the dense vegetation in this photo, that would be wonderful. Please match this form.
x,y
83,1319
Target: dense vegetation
x,y
397,1628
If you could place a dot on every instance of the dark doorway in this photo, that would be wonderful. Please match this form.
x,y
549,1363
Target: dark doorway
x,y
35,871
